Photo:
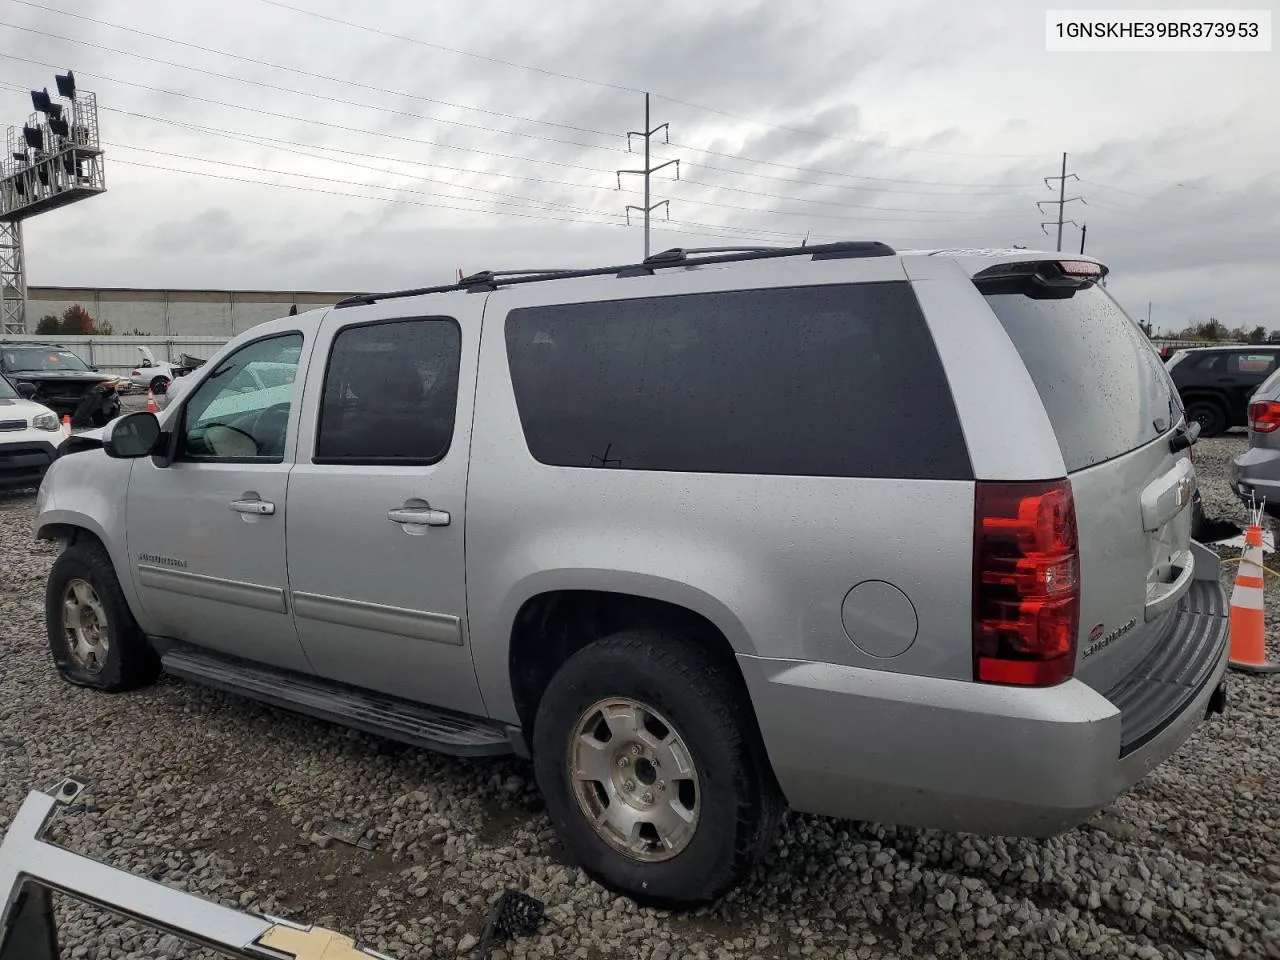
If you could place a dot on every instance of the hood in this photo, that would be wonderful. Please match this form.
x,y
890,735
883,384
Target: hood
x,y
68,376
20,409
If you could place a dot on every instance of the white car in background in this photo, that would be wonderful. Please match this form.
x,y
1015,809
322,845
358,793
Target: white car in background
x,y
29,436
153,374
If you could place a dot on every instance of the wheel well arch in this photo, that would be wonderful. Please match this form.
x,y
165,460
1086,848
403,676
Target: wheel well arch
x,y
552,626
69,533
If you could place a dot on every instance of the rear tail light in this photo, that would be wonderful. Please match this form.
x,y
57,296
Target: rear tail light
x,y
1264,416
136,373
1026,583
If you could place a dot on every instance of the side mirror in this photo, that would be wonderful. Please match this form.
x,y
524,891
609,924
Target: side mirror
x,y
133,435
26,390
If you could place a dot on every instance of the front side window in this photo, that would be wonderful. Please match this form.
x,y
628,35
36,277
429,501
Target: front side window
x,y
241,411
7,391
390,393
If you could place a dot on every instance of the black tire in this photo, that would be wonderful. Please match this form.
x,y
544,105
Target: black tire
x,y
740,805
106,413
1210,415
160,385
129,661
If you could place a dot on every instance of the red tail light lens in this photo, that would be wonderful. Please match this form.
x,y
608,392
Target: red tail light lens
x,y
1026,583
1264,416
136,373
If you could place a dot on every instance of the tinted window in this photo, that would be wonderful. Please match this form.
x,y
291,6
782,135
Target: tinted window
x,y
1251,364
1206,361
811,381
48,359
390,393
7,391
1102,383
241,410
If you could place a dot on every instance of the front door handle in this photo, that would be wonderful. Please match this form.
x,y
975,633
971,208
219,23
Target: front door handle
x,y
419,517
258,508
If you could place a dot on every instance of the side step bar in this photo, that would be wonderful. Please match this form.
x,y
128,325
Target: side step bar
x,y
365,710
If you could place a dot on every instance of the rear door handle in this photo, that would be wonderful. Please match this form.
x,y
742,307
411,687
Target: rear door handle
x,y
423,517
261,508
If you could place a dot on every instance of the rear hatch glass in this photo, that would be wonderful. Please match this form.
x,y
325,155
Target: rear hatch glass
x,y
1103,385
1111,403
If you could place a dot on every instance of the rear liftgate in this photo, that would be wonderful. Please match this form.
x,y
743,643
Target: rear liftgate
x,y
32,870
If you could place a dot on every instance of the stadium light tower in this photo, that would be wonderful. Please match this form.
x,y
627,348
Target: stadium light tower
x,y
55,158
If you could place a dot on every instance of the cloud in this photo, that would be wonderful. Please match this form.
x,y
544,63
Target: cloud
x,y
937,127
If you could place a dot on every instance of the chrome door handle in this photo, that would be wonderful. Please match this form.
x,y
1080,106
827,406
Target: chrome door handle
x,y
260,508
419,518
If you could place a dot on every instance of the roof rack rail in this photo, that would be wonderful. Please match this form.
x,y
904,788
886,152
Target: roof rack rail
x,y
489,280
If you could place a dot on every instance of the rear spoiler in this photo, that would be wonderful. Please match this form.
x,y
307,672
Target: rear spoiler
x,y
32,870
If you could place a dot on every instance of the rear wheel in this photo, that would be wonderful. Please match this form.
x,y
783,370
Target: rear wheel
x,y
93,638
647,754
159,385
1210,415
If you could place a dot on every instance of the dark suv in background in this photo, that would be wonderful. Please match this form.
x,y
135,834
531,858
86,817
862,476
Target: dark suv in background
x,y
54,376
1215,383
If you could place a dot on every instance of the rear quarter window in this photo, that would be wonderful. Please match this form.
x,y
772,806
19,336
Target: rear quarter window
x,y
1100,379
838,380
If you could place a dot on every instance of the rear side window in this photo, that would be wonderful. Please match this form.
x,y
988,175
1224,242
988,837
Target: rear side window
x,y
390,393
836,380
1207,361
1101,381
1251,364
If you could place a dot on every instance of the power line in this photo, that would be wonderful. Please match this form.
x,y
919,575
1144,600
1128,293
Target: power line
x,y
345,102
964,215
294,90
613,86
392,92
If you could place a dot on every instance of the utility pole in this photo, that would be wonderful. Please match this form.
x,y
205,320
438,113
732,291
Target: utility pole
x,y
1061,202
648,171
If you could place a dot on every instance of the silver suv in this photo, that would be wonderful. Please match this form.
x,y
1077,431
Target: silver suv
x,y
895,537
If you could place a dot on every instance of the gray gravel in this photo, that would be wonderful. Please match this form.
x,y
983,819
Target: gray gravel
x,y
227,798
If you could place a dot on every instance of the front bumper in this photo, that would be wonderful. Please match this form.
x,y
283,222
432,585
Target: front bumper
x,y
1255,476
871,745
23,463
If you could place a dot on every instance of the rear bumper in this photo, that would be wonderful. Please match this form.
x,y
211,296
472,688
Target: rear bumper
x,y
24,464
870,745
1255,475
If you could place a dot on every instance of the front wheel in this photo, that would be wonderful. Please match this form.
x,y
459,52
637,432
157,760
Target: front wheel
x,y
93,637
648,756
1211,417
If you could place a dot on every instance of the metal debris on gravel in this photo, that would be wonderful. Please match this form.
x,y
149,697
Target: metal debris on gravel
x,y
222,797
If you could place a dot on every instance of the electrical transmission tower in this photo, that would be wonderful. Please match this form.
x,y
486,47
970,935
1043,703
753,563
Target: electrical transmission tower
x,y
52,160
1061,202
648,171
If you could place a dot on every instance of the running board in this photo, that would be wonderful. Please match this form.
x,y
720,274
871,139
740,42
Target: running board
x,y
360,709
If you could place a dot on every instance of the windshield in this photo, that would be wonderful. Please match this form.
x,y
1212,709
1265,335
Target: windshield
x,y
7,392
45,359
1103,385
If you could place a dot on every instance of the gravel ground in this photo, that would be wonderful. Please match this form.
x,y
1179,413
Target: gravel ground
x,y
226,798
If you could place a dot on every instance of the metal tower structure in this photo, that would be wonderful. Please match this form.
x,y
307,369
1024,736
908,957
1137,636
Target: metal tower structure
x,y
54,159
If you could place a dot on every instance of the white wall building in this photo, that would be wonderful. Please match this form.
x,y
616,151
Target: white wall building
x,y
174,313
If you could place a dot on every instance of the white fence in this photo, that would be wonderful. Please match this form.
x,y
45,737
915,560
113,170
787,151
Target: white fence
x,y
119,355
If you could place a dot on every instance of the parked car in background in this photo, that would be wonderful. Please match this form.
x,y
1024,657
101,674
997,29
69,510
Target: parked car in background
x,y
54,376
717,554
29,436
1255,473
154,375
1215,383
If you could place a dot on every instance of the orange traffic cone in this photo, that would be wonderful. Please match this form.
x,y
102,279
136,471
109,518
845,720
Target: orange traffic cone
x,y
1248,631
151,402
66,424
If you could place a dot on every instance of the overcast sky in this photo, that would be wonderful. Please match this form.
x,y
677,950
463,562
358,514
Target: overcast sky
x,y
917,122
